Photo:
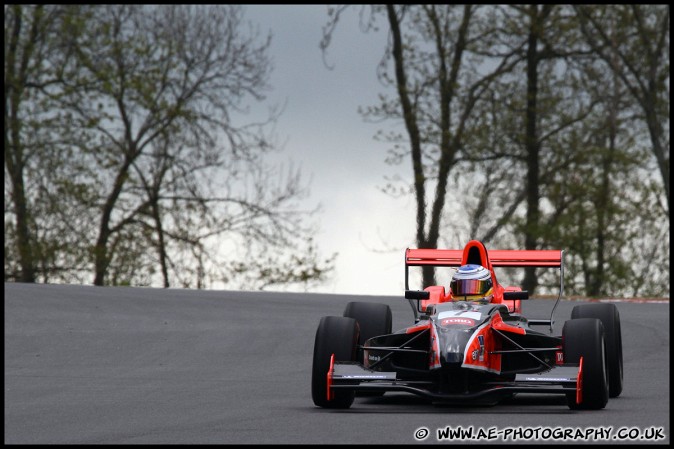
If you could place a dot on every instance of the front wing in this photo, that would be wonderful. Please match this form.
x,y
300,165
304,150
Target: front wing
x,y
560,379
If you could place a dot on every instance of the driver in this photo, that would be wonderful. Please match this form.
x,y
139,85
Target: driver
x,y
472,283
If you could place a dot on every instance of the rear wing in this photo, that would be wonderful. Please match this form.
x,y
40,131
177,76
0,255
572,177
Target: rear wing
x,y
495,258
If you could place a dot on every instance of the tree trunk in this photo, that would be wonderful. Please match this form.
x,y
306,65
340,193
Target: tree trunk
x,y
161,245
101,254
16,73
532,152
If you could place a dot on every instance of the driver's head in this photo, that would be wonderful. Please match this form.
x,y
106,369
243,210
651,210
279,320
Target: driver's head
x,y
472,283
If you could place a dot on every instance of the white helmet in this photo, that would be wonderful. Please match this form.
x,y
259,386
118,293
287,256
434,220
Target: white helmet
x,y
472,283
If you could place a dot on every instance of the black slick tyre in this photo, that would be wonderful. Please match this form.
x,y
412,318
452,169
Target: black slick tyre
x,y
584,337
610,318
374,319
339,336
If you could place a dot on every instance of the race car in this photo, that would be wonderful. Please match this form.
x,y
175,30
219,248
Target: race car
x,y
470,344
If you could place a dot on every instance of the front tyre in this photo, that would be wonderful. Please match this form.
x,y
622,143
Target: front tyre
x,y
584,337
339,336
610,318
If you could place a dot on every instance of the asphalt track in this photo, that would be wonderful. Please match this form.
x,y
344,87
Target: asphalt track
x,y
90,365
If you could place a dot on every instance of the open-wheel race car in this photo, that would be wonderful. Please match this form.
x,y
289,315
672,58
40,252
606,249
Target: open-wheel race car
x,y
470,344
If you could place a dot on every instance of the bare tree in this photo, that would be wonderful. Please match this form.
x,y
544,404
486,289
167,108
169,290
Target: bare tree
x,y
633,40
162,167
439,77
30,69
508,114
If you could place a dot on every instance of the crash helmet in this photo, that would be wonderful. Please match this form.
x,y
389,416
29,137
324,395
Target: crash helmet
x,y
472,283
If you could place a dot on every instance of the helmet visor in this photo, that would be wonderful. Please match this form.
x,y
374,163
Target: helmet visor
x,y
470,287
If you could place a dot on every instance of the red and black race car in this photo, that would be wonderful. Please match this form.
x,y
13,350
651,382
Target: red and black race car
x,y
460,351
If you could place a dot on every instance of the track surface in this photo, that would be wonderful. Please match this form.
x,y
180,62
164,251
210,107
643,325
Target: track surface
x,y
130,365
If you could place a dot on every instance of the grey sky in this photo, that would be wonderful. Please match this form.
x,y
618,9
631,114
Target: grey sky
x,y
335,147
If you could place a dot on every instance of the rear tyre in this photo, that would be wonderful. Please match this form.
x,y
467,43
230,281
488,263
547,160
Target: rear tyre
x,y
584,337
374,319
610,318
339,336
